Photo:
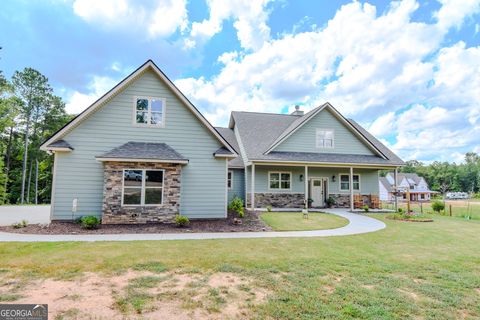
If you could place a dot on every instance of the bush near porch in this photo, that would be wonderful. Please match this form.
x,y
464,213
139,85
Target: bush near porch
x,y
294,221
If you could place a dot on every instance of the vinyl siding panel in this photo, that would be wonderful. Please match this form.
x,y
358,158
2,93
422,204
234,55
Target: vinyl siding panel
x,y
79,175
368,179
304,139
238,186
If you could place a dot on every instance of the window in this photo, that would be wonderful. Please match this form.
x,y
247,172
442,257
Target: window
x,y
230,179
142,187
279,180
345,182
325,138
149,111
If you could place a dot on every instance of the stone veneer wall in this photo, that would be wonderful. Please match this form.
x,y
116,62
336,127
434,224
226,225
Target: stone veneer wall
x,y
114,213
278,200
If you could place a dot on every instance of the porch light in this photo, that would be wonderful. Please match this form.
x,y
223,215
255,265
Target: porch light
x,y
333,178
301,177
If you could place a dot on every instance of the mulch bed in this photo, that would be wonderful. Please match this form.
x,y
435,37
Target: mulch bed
x,y
251,222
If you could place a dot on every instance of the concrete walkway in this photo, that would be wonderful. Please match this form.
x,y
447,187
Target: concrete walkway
x,y
33,214
358,224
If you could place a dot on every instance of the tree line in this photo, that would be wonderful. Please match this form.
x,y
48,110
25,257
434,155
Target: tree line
x,y
29,113
445,176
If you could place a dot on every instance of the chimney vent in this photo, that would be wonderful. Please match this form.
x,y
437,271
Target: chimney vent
x,y
297,111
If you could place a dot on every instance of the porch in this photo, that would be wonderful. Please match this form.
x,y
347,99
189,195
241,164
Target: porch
x,y
298,186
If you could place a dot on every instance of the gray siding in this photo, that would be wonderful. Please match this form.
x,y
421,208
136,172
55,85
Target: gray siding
x,y
238,186
304,139
368,179
79,175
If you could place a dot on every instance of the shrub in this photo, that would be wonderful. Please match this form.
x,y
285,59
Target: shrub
x,y
182,221
331,201
90,222
269,208
365,208
400,210
237,205
438,206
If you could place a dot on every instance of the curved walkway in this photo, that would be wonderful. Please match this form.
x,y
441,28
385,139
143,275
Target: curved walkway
x,y
357,224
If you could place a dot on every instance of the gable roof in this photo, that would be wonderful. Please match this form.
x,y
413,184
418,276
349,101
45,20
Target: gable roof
x,y
300,121
145,151
258,132
148,65
386,184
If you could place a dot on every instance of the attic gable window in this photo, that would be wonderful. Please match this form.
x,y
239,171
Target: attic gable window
x,y
149,111
325,138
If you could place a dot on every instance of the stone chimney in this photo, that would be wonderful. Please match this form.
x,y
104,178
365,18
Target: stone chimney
x,y
297,111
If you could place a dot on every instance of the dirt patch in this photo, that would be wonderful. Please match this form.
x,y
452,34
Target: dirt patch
x,y
251,222
409,293
145,295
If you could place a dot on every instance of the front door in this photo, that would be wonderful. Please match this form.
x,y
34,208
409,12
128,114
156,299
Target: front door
x,y
317,192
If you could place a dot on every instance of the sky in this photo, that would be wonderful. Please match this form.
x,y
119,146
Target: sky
x,y
409,71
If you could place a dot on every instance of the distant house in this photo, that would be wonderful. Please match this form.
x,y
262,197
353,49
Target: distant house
x,y
407,183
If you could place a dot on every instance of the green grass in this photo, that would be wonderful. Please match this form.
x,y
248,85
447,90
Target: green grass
x,y
289,221
406,271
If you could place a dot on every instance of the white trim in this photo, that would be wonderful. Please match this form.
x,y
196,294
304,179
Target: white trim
x,y
350,183
220,155
339,117
231,179
120,86
280,181
149,112
316,138
61,149
226,188
142,188
252,191
141,160
326,164
54,179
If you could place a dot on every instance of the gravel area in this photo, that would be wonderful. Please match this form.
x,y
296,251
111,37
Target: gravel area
x,y
251,222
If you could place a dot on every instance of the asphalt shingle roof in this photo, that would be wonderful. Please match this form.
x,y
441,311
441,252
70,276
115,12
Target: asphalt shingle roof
x,y
229,135
259,131
144,150
60,144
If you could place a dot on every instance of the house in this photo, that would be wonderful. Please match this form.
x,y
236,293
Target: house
x,y
143,153
408,184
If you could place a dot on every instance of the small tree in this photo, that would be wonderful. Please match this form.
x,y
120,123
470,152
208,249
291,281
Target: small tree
x,y
438,206
237,205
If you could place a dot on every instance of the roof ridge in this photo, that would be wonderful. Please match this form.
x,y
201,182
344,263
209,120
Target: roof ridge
x,y
267,113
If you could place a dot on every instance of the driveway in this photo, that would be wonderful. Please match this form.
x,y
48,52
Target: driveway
x,y
33,214
358,224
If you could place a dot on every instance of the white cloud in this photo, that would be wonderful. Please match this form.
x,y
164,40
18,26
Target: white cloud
x,y
367,65
99,85
159,18
453,12
250,22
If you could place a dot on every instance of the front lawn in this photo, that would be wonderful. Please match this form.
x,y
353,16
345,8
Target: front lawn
x,y
406,271
290,221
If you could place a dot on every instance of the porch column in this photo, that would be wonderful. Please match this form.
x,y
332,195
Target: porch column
x,y
306,187
252,188
351,188
395,189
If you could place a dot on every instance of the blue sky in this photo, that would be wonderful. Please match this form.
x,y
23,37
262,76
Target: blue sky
x,y
407,70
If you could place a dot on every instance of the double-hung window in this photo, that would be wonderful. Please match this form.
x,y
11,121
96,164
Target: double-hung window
x,y
279,180
150,111
325,138
142,187
230,179
345,182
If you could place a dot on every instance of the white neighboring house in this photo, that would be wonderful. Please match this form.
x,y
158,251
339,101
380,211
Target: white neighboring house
x,y
407,182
